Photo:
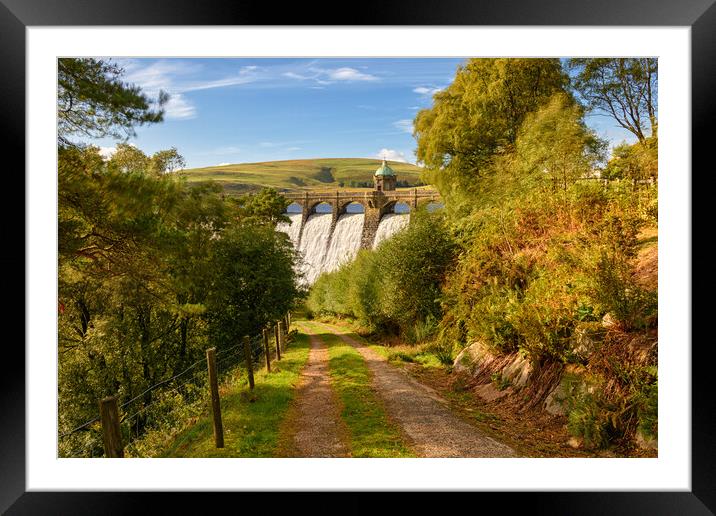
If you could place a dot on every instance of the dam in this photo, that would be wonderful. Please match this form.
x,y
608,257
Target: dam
x,y
332,226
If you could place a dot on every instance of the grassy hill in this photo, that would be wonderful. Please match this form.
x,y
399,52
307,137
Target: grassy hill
x,y
304,174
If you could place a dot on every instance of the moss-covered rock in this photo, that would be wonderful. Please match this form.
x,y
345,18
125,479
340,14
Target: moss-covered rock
x,y
473,359
518,371
574,382
479,361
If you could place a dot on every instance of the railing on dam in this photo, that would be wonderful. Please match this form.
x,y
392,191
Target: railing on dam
x,y
358,196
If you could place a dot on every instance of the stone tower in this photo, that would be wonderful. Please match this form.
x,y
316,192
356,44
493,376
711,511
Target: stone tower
x,y
384,178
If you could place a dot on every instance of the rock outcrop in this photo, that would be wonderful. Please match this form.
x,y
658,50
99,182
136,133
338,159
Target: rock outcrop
x,y
477,361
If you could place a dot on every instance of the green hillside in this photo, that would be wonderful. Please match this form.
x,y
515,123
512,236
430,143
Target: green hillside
x,y
304,174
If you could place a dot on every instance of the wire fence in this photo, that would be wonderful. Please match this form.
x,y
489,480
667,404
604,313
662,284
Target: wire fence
x,y
175,400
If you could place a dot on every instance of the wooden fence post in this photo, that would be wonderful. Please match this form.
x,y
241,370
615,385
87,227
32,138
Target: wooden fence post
x,y
111,434
278,343
267,352
282,335
249,361
215,402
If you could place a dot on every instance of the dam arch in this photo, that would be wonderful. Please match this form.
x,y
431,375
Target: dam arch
x,y
321,207
396,206
351,207
294,207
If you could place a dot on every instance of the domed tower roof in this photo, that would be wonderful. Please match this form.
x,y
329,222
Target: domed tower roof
x,y
384,170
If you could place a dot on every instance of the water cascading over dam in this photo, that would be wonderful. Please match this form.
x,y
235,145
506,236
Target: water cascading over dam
x,y
312,247
390,224
293,229
345,241
323,251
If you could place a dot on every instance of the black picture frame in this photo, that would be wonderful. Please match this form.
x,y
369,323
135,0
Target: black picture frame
x,y
16,15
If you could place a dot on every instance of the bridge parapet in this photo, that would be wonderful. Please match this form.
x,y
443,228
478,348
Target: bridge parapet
x,y
361,197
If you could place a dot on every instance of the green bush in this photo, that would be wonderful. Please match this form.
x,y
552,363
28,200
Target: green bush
x,y
413,264
546,317
422,330
490,319
395,288
364,291
443,351
616,292
588,420
647,401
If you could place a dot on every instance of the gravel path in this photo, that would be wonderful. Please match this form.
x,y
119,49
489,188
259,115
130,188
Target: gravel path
x,y
318,429
435,431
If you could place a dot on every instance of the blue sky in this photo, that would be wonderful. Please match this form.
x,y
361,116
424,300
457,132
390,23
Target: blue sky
x,y
246,110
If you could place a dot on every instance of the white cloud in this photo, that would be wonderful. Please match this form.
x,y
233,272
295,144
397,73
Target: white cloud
x,y
350,74
426,90
246,75
390,155
326,76
173,78
287,145
179,108
162,75
222,164
218,83
405,125
292,75
107,152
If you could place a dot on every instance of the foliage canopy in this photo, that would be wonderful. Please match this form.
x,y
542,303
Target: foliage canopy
x,y
93,101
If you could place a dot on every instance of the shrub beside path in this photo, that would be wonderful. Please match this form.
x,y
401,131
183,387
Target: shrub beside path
x,y
426,419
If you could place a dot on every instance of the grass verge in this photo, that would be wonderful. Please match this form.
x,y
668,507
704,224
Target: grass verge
x,y
251,421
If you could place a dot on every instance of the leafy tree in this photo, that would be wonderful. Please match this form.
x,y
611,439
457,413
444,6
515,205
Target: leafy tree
x,y
167,161
133,277
479,115
624,88
252,282
92,101
265,207
555,142
129,158
638,161
412,272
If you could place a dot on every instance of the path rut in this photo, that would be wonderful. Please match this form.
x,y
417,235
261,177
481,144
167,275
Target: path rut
x,y
318,427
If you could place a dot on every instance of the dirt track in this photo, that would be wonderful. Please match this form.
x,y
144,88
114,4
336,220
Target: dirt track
x,y
315,425
433,429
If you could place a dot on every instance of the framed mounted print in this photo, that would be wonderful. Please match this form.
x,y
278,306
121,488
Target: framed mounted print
x,y
278,253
